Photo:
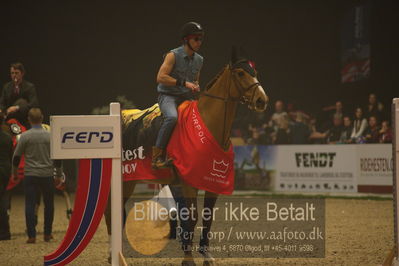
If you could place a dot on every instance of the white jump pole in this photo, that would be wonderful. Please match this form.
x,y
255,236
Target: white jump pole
x,y
395,151
116,199
78,137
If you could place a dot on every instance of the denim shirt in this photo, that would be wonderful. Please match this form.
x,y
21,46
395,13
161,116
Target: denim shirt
x,y
185,68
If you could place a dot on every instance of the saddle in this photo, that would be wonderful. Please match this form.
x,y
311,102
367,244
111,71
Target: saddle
x,y
139,133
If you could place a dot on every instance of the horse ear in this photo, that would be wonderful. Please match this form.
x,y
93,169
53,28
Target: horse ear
x,y
234,56
243,54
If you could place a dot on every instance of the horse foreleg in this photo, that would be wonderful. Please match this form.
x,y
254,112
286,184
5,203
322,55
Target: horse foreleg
x,y
177,194
209,204
188,225
128,188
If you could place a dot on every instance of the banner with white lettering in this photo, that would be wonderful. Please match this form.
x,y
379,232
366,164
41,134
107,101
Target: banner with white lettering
x,y
375,168
316,168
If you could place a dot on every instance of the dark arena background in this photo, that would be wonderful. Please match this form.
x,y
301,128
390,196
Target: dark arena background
x,y
82,55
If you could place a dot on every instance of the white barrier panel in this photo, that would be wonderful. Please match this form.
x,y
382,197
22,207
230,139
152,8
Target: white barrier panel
x,y
92,137
316,168
375,168
395,155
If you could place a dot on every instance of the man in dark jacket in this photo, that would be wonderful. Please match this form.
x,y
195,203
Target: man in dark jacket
x,y
335,132
372,133
18,95
5,172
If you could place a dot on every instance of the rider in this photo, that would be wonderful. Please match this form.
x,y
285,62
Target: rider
x,y
18,95
177,80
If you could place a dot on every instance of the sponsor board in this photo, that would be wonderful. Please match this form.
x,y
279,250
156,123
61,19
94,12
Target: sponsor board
x,y
96,141
375,168
93,136
316,168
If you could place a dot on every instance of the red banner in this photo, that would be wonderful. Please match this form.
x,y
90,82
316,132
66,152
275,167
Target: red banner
x,y
199,159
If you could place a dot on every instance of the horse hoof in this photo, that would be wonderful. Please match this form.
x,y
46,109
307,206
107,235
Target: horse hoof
x,y
208,259
172,235
188,263
209,263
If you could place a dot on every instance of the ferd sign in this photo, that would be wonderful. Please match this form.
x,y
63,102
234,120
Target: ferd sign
x,y
94,136
87,137
96,141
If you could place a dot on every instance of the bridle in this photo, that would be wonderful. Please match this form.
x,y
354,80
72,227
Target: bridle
x,y
241,98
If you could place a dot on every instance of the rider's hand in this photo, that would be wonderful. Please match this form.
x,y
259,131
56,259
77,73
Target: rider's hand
x,y
192,86
12,109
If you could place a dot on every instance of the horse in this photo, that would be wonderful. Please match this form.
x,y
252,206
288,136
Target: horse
x,y
236,83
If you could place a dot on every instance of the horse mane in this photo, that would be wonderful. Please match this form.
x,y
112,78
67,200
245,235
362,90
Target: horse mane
x,y
213,81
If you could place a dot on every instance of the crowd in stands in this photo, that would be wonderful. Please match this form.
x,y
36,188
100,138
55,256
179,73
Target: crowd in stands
x,y
336,125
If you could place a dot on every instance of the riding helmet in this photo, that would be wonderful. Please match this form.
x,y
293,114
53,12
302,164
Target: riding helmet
x,y
191,28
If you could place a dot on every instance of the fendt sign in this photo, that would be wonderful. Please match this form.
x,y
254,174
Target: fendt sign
x,y
87,137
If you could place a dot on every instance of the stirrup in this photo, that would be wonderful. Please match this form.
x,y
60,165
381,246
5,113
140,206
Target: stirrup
x,y
161,164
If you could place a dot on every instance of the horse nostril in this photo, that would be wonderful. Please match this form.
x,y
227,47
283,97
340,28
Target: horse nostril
x,y
260,104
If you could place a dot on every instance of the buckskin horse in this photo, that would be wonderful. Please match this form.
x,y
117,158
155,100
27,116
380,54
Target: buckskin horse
x,y
236,82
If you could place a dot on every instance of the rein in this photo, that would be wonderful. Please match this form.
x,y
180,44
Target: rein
x,y
229,98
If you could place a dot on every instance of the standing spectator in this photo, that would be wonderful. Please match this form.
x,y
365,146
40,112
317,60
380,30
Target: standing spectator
x,y
335,132
255,138
293,111
240,124
283,134
35,145
18,95
279,115
336,110
374,107
372,133
258,129
300,131
257,120
260,135
359,126
318,134
385,134
347,130
339,110
5,173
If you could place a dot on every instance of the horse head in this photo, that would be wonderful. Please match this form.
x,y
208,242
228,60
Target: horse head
x,y
247,87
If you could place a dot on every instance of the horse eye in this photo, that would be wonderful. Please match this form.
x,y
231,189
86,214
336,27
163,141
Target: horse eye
x,y
241,73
